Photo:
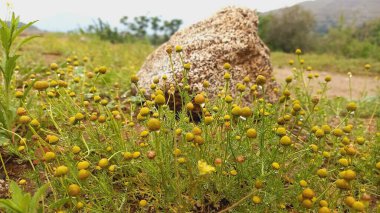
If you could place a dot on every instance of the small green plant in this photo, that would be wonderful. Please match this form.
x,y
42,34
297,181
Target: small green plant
x,y
22,202
9,32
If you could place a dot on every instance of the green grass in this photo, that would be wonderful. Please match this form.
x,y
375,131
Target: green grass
x,y
330,63
122,59
127,58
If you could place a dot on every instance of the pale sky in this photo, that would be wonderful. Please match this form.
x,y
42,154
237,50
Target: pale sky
x,y
63,15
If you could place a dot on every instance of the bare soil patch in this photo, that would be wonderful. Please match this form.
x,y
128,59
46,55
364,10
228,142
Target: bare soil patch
x,y
362,86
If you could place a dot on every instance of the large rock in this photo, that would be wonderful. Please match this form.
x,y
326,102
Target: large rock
x,y
231,35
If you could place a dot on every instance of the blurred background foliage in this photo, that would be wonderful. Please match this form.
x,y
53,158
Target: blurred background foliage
x,y
295,27
142,28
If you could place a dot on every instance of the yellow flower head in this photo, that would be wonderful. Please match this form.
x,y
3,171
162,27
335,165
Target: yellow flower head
x,y
204,168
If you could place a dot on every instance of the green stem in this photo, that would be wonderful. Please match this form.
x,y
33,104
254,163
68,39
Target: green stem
x,y
161,160
3,165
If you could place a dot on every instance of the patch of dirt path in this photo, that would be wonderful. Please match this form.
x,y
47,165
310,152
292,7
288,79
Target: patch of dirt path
x,y
362,86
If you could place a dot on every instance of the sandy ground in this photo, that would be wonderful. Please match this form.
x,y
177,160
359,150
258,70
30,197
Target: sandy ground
x,y
362,86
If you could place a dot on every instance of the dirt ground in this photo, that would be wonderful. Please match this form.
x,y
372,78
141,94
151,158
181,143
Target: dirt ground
x,y
362,86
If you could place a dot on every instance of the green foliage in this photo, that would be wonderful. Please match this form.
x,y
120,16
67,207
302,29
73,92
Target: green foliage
x,y
264,26
139,27
370,32
288,30
122,58
350,42
170,27
178,177
235,160
9,32
151,29
155,25
106,32
295,28
154,29
22,202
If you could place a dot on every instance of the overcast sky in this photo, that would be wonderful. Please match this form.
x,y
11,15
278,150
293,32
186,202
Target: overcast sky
x,y
63,15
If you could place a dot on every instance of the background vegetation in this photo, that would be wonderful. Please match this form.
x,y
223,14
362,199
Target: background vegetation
x,y
141,28
295,27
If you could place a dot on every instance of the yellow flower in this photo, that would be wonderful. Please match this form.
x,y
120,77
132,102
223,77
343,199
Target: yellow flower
x,y
73,190
256,199
143,203
154,124
204,168
275,165
233,172
227,66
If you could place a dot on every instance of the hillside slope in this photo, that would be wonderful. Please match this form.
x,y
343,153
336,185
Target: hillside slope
x,y
329,12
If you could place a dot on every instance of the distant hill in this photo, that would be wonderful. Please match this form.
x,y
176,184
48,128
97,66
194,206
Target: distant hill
x,y
329,12
31,30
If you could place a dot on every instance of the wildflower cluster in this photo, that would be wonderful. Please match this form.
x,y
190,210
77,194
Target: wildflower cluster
x,y
101,149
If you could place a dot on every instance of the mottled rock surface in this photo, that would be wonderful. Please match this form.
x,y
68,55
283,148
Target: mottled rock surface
x,y
3,189
231,35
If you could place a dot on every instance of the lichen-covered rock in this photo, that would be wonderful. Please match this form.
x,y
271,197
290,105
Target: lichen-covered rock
x,y
229,36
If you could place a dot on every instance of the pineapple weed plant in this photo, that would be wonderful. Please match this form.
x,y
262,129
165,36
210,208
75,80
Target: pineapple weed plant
x,y
98,150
